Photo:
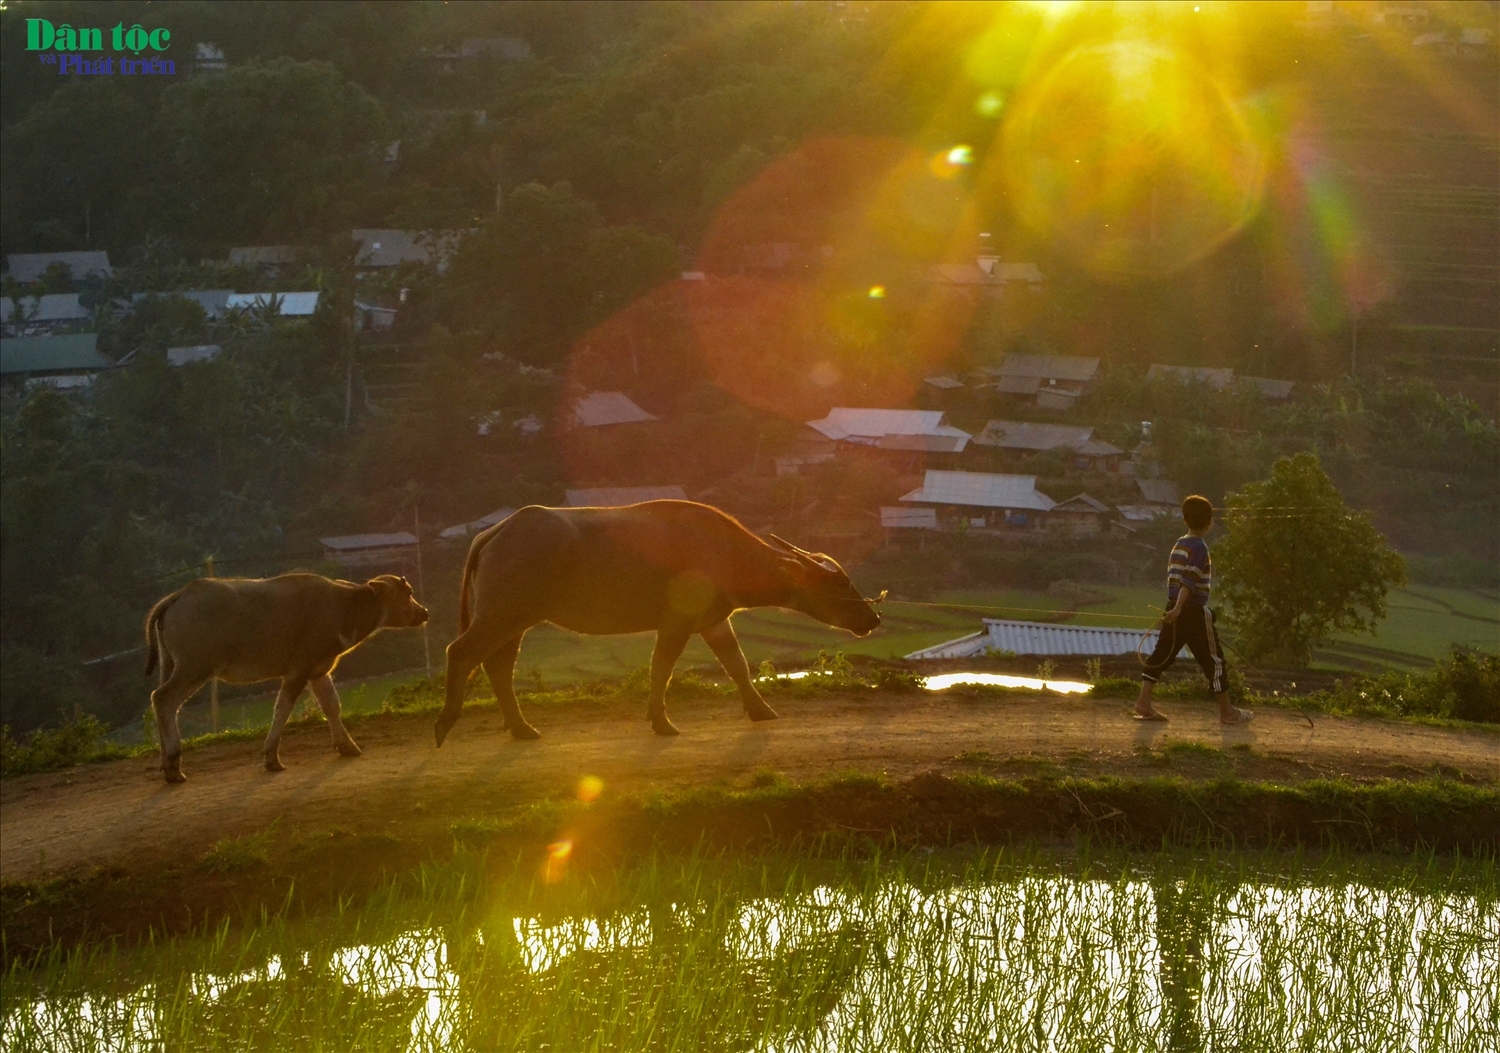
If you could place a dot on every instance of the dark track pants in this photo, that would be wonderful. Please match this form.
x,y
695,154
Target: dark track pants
x,y
1195,628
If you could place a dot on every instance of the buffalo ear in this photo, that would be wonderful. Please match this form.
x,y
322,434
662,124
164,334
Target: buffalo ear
x,y
782,544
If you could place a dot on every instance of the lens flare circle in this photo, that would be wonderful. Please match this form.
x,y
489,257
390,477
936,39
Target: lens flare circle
x,y
1132,159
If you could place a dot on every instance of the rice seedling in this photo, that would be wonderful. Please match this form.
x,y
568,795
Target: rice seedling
x,y
834,949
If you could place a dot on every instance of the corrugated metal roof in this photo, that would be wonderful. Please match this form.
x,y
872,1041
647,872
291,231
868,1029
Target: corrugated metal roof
x,y
1272,389
942,442
908,518
1018,385
1040,638
288,304
608,407
1028,435
390,247
614,496
356,542
54,307
77,352
181,356
1214,378
844,423
980,489
1049,367
29,266
213,301
945,382
1160,491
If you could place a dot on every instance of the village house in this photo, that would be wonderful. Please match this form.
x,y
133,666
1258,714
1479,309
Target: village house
x,y
980,500
371,550
181,356
465,530
27,267
215,302
386,247
1002,636
65,362
1219,379
1078,516
40,315
288,304
1052,381
269,258
891,429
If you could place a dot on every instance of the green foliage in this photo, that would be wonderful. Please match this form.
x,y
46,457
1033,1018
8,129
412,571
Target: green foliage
x,y
80,740
1298,564
1464,686
230,855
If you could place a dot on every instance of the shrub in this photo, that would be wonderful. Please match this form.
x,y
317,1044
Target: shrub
x,y
79,740
1465,686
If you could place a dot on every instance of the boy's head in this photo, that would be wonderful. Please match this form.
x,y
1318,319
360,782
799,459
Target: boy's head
x,y
1197,513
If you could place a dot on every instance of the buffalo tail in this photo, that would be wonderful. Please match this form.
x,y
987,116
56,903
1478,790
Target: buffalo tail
x,y
153,631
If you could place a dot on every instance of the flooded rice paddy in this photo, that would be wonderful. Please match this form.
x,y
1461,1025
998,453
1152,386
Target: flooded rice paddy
x,y
992,952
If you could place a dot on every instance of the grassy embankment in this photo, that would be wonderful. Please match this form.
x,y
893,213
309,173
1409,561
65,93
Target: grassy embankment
x,y
1423,622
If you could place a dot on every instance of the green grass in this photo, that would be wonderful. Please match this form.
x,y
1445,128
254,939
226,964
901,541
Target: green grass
x,y
830,947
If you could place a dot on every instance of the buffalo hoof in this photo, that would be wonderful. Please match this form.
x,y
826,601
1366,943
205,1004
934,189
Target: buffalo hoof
x,y
442,727
274,764
663,726
175,776
347,748
524,731
762,712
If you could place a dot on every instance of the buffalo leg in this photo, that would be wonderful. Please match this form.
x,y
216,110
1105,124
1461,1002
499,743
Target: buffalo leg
x,y
286,701
726,648
500,667
328,699
669,645
166,700
465,654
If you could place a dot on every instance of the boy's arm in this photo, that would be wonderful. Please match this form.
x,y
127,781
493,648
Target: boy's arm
x,y
1182,596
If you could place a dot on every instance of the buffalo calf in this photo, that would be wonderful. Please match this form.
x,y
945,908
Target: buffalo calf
x,y
294,627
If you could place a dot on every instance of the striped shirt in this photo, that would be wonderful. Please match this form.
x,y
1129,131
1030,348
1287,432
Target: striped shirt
x,y
1190,567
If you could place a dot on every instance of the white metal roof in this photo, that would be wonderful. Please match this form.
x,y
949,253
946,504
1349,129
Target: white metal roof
x,y
608,407
356,542
939,443
1160,491
613,496
908,518
1098,448
1214,378
1028,435
945,382
54,307
181,356
849,424
289,304
1040,638
1050,367
29,266
980,489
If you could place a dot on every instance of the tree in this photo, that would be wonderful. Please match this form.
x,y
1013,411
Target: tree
x,y
1299,564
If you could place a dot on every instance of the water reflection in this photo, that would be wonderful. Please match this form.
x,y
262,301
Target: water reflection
x,y
942,681
1042,963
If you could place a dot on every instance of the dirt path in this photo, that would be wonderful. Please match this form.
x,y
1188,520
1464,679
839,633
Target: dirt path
x,y
122,814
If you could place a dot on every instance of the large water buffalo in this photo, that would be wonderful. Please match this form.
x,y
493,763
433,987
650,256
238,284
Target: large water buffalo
x,y
677,567
294,627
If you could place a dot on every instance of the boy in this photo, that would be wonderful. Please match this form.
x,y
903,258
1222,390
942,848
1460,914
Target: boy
x,y
1188,619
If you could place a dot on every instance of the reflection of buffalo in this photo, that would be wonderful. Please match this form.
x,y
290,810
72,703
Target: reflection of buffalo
x,y
674,566
294,627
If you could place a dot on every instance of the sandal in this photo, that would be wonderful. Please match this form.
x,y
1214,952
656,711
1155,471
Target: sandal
x,y
1242,716
1152,716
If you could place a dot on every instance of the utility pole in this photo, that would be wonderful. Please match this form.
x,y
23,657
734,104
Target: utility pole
x,y
213,682
416,518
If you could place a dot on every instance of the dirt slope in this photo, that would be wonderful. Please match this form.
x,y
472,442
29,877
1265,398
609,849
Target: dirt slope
x,y
123,814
